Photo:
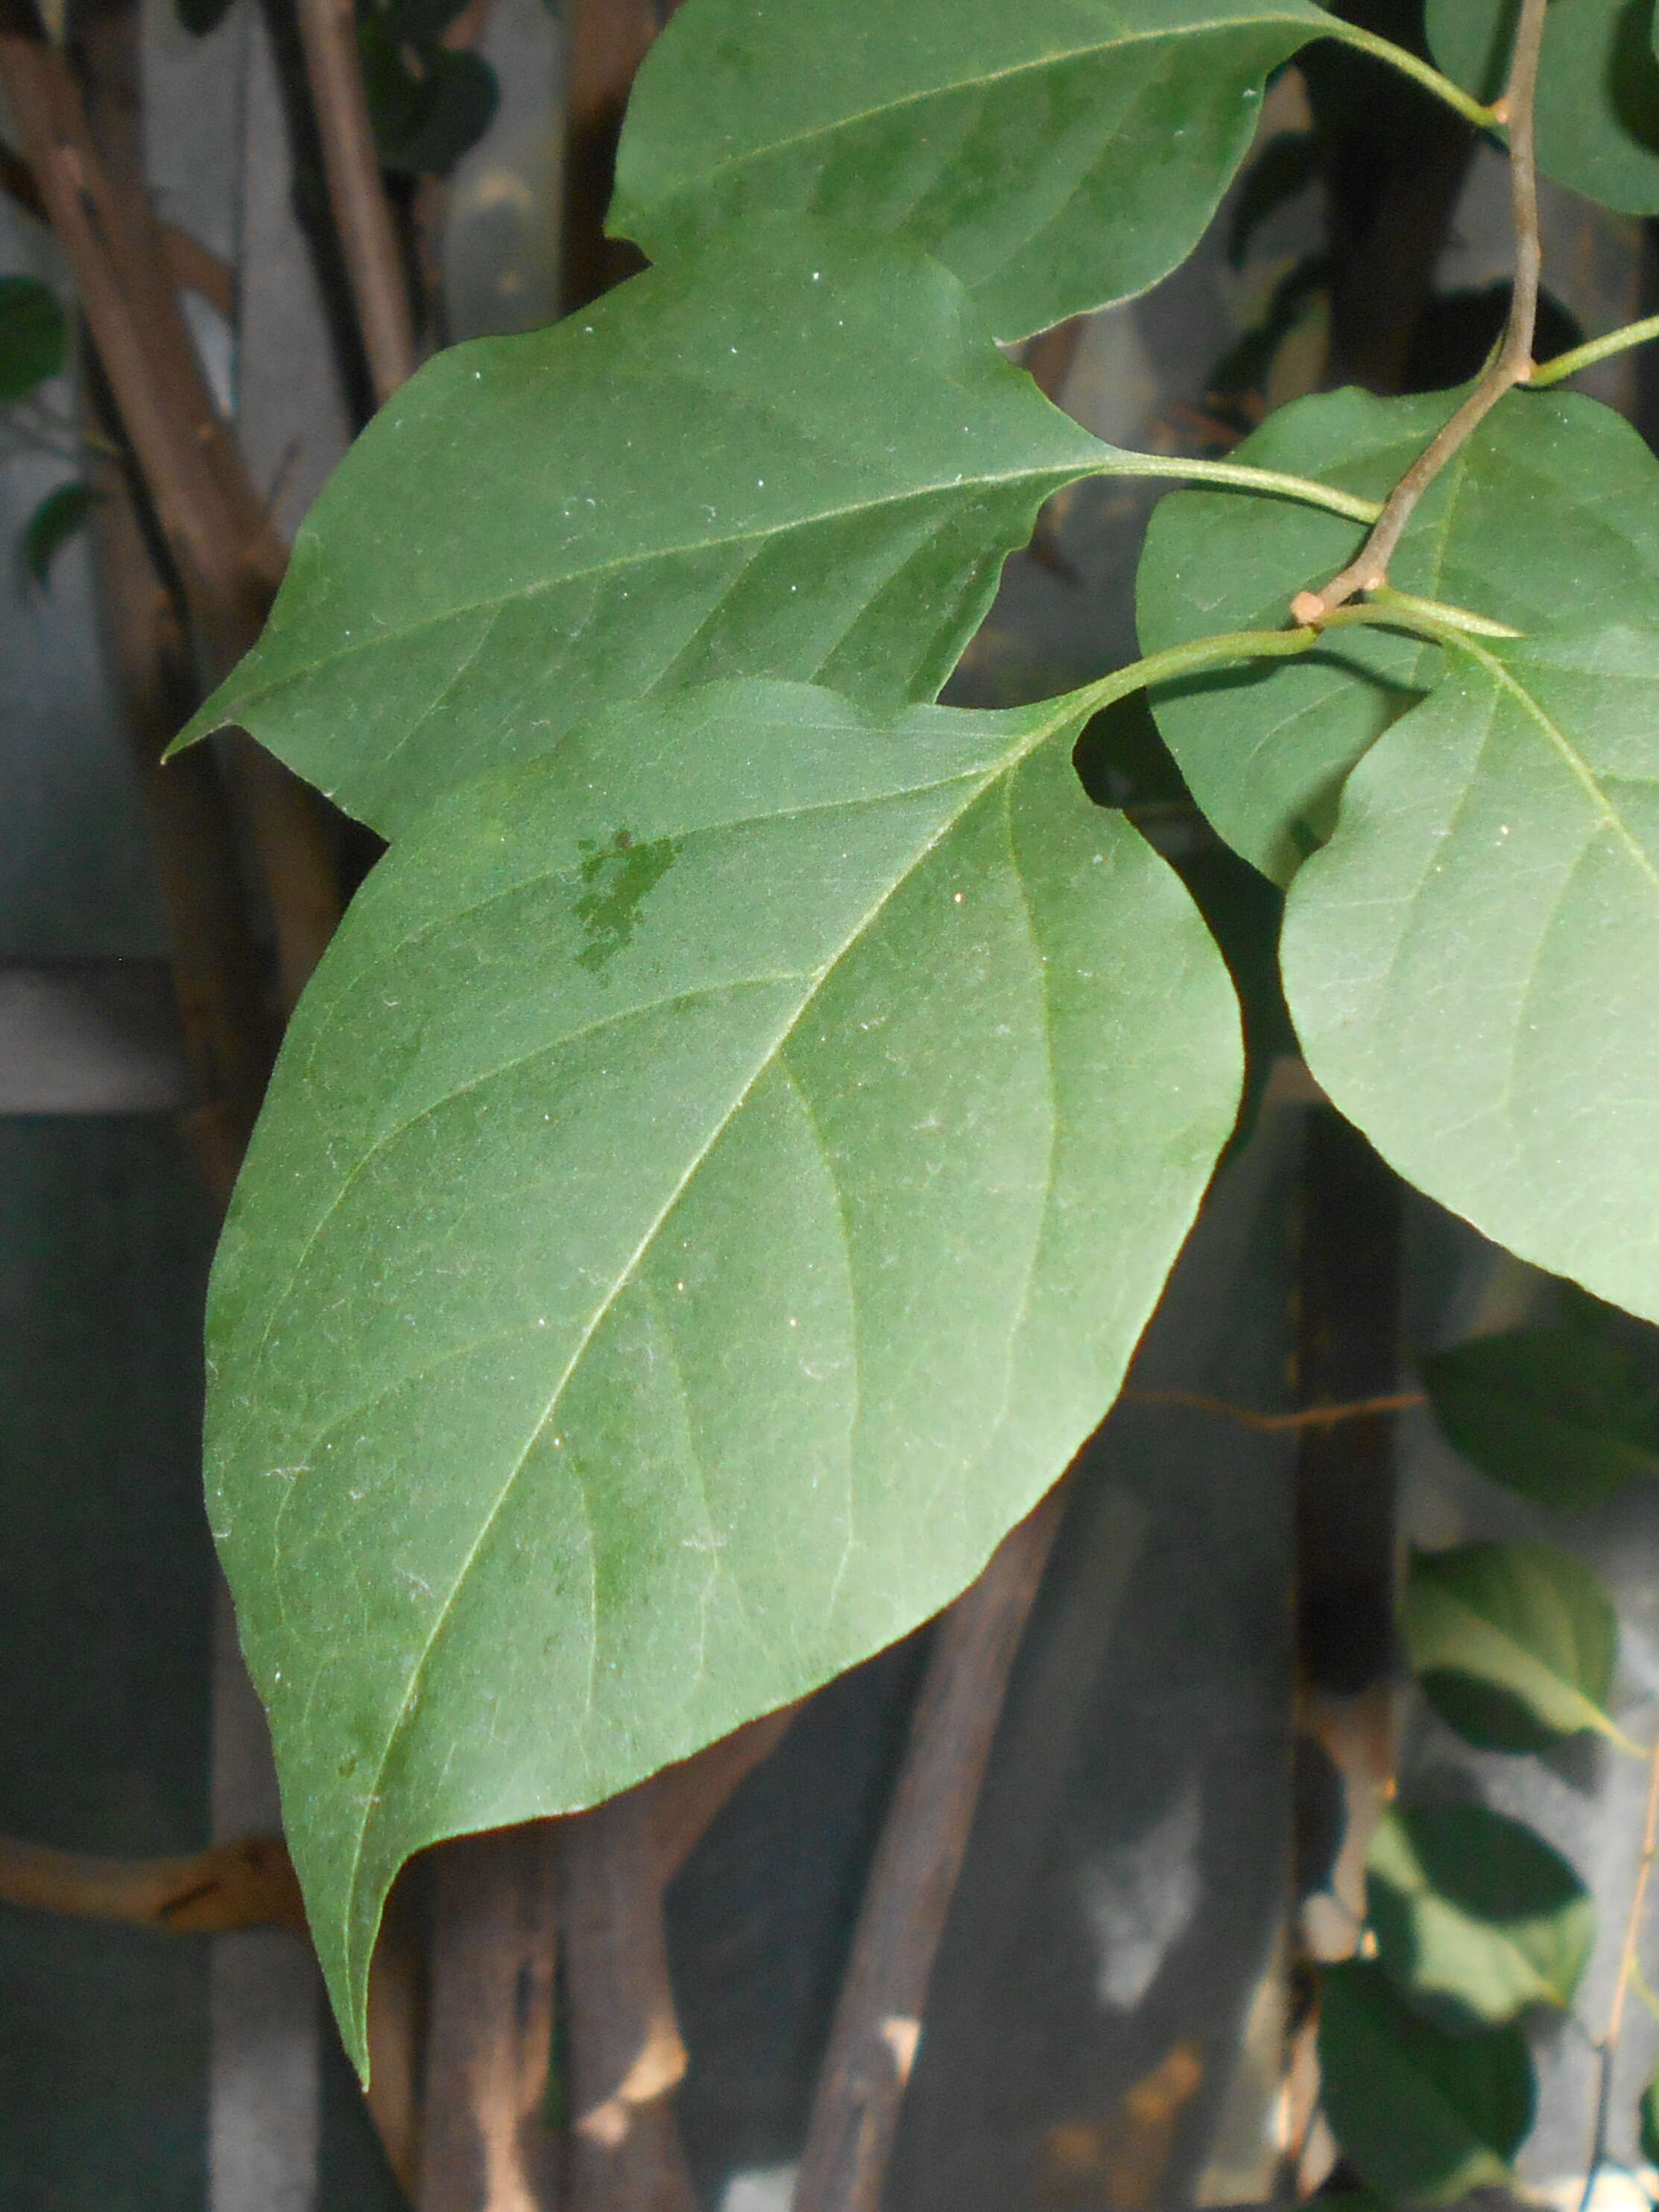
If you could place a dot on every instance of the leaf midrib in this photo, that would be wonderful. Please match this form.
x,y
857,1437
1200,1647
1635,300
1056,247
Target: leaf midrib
x,y
1610,817
764,1061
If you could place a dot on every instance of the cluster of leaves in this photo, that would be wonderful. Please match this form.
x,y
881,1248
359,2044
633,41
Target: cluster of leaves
x,y
1475,1920
721,1168
33,349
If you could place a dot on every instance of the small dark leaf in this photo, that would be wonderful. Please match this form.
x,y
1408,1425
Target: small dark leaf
x,y
34,336
1649,2112
1514,1645
49,529
426,113
1558,1415
1424,2116
421,22
1475,1917
201,16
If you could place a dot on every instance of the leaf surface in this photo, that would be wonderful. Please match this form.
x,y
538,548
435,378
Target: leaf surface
x,y
1553,504
1476,1918
792,454
55,521
1598,88
1057,156
709,1191
1470,961
1424,2117
34,336
1514,1645
1558,1414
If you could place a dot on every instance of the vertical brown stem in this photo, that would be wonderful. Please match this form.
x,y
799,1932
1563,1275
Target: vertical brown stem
x,y
486,2146
625,2053
363,216
878,2022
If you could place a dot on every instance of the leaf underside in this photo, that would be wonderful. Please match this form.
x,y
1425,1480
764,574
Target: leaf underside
x,y
793,454
1470,961
709,1191
1057,156
1553,502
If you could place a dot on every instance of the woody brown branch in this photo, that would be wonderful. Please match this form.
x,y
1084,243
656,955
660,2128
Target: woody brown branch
x,y
1510,365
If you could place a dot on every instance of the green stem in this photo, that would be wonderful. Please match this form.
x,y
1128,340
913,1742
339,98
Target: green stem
x,y
1241,477
1586,356
1427,619
1421,618
1440,612
1385,50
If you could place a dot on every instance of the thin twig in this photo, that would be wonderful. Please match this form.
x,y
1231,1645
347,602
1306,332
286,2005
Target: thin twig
x,y
362,216
1512,362
878,2022
1629,1972
1283,1425
249,1884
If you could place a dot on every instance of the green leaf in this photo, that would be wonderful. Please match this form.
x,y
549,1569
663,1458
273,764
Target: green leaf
x,y
425,117
1649,2122
793,454
1514,1645
201,16
1057,156
60,515
1553,503
1561,1416
1469,962
421,22
34,336
1598,88
1424,2116
1476,1917
710,1190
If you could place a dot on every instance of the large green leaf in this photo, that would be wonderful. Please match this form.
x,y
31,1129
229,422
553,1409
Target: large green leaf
x,y
1057,154
1598,88
793,454
1476,1917
1424,2117
1470,961
1514,1645
709,1191
1552,504
1560,1415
